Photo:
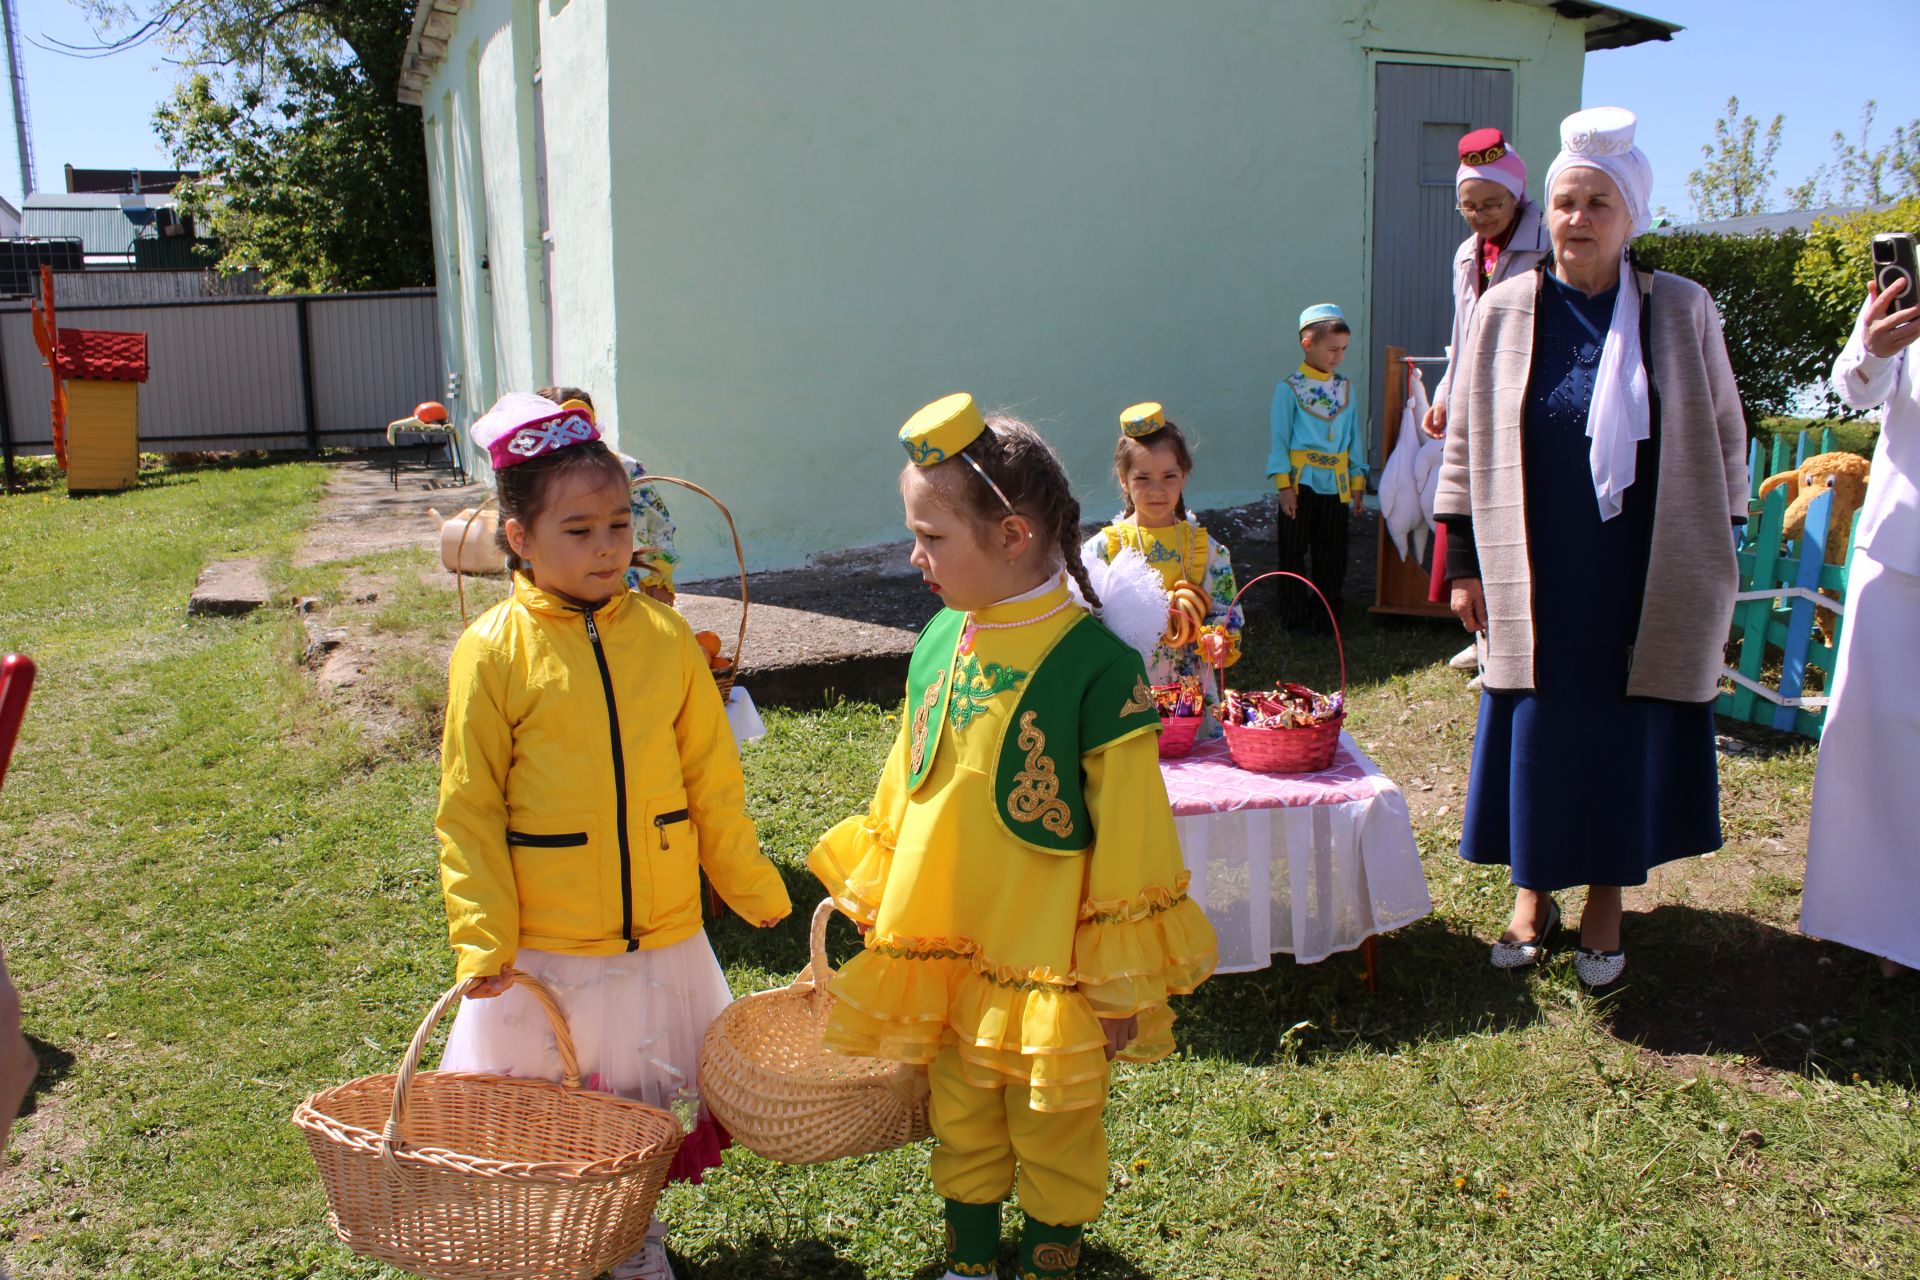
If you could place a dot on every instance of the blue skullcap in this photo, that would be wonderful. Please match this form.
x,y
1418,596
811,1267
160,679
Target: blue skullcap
x,y
1321,311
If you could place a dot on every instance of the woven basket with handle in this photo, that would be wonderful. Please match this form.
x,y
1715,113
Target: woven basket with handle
x,y
767,1076
1306,749
463,1176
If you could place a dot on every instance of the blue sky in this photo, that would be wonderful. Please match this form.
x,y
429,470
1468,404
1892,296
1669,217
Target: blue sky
x,y
98,114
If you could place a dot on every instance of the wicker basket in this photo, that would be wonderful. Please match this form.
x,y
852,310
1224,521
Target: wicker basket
x,y
1307,749
724,674
1177,734
464,1176
766,1075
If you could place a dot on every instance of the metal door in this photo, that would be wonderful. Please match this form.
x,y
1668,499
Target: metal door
x,y
1420,111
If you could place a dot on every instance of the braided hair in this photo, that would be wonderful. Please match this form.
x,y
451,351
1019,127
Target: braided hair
x,y
1030,473
1131,447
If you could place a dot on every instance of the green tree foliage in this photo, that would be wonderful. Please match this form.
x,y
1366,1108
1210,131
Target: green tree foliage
x,y
310,168
1838,264
1862,173
1778,339
1737,169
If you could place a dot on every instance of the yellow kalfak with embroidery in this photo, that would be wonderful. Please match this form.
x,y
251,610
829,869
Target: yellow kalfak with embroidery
x,y
1006,952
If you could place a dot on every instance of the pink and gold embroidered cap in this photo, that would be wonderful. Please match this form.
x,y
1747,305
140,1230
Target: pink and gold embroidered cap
x,y
522,426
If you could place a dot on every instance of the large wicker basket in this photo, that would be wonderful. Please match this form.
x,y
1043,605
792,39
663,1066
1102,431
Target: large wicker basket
x,y
1306,749
463,1176
765,1073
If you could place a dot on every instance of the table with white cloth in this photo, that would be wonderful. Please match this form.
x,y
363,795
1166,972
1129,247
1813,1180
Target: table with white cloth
x,y
1303,863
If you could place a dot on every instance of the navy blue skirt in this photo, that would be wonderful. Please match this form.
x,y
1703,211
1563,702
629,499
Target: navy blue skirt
x,y
1573,782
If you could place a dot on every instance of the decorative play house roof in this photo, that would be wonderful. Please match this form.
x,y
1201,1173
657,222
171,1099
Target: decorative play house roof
x,y
101,355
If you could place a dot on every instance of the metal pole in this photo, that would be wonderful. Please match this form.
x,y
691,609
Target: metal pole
x,y
6,424
305,333
17,81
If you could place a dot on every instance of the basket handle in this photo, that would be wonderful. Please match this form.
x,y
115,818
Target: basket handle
x,y
390,1139
1340,644
740,642
819,972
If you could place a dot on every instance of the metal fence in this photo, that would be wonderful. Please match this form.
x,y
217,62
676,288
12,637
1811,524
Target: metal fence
x,y
300,372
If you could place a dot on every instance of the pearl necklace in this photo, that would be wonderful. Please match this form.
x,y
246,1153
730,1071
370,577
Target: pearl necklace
x,y
973,627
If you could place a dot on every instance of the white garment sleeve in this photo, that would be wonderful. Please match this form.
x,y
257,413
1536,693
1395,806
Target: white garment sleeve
x,y
1861,379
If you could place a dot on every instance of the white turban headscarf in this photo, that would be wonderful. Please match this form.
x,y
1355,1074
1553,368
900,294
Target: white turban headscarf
x,y
1619,418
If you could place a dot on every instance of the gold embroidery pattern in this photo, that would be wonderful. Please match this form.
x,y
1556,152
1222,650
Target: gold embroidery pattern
x,y
1056,1257
1142,699
1036,793
920,717
968,1268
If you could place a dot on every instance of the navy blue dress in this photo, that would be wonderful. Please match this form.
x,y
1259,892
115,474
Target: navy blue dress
x,y
1575,783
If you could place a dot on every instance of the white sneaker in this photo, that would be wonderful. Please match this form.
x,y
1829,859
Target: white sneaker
x,y
1466,660
1475,685
648,1264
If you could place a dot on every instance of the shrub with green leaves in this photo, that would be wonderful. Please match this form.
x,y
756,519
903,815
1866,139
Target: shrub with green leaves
x,y
1837,264
1779,340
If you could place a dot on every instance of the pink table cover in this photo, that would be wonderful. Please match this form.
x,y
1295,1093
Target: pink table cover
x,y
1209,782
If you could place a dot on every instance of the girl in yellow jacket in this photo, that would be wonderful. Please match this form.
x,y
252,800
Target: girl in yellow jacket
x,y
587,777
1017,876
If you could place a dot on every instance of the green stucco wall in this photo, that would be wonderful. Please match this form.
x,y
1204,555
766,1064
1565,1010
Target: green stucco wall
x,y
781,228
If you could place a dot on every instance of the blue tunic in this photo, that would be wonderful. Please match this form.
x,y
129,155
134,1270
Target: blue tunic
x,y
1574,783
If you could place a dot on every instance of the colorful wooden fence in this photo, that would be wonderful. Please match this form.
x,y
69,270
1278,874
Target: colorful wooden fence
x,y
1782,585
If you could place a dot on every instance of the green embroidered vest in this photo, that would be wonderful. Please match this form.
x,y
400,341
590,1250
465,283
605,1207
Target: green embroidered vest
x,y
1088,691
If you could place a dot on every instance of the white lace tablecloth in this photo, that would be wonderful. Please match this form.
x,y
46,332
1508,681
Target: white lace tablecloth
x,y
1302,863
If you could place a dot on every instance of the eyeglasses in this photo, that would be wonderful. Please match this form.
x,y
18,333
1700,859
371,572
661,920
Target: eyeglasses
x,y
1494,206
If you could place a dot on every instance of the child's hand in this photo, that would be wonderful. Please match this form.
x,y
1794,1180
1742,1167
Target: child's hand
x,y
1121,1032
663,594
1289,502
768,924
1213,648
488,987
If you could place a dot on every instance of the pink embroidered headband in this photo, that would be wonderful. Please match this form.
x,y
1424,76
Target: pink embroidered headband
x,y
521,427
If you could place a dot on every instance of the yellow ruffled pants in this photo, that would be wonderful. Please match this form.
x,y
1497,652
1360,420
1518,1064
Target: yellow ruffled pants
x,y
985,1132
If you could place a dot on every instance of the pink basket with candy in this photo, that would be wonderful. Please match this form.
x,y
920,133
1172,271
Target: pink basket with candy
x,y
1290,729
1182,709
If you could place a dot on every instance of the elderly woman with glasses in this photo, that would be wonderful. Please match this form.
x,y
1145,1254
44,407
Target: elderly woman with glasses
x,y
1595,464
1509,239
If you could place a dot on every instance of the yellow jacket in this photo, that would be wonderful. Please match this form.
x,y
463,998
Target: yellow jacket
x,y
587,776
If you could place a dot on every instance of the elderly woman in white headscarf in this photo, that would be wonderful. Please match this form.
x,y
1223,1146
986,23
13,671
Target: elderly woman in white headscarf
x,y
1594,468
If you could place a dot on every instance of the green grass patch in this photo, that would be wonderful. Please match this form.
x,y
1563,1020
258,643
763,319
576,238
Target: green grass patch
x,y
218,895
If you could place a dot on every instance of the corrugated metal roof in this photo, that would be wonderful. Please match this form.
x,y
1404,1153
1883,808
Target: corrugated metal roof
x,y
1768,223
104,223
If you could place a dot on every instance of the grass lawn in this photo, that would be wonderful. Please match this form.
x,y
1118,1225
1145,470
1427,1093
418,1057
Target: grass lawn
x,y
218,893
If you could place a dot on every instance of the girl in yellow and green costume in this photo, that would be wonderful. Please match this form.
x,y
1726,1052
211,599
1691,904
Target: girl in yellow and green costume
x,y
1017,876
1151,461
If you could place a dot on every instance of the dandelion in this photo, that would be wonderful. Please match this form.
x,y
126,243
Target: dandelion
x,y
1459,1184
1499,1191
1142,1165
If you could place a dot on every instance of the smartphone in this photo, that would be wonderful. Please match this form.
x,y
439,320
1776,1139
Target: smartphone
x,y
1894,259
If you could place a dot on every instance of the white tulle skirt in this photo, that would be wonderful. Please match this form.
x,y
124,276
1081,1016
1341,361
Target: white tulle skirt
x,y
637,1021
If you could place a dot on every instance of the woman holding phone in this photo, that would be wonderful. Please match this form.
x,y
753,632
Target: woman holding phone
x,y
1863,864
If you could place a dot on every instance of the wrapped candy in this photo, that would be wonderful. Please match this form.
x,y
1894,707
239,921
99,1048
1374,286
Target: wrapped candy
x,y
1291,706
1185,697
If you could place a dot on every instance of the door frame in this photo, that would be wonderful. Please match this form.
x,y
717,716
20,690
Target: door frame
x,y
1377,55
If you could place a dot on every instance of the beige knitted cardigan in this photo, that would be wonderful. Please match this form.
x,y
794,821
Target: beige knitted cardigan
x,y
1691,573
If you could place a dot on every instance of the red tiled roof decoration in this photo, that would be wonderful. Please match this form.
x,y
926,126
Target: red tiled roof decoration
x,y
102,355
